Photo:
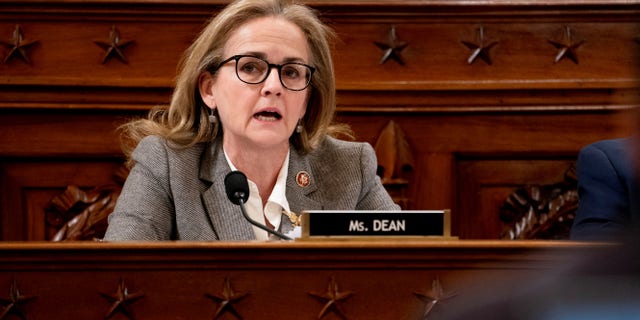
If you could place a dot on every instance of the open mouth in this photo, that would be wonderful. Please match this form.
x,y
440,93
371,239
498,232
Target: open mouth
x,y
267,116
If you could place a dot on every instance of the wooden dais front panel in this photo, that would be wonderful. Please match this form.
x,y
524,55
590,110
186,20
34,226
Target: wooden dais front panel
x,y
385,279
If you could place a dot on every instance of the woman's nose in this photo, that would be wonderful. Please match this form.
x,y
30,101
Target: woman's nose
x,y
272,84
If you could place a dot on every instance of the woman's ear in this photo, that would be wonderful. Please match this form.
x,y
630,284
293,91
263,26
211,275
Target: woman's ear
x,y
205,85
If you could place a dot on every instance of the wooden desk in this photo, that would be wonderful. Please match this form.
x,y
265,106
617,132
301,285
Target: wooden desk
x,y
276,280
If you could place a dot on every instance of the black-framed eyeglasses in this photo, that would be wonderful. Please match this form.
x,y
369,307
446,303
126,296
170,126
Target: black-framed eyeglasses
x,y
294,76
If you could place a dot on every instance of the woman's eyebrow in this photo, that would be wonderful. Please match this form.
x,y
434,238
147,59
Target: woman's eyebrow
x,y
262,55
293,59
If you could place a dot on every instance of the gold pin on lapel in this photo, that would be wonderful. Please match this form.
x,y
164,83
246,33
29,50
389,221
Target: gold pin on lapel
x,y
303,179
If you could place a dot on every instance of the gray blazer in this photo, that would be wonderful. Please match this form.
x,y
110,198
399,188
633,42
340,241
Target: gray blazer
x,y
179,193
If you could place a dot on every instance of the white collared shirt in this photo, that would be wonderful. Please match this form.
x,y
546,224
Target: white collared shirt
x,y
276,202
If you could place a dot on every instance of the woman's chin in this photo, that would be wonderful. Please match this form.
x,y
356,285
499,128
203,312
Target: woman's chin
x,y
269,139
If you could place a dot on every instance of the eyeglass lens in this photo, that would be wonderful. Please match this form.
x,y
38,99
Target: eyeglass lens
x,y
293,76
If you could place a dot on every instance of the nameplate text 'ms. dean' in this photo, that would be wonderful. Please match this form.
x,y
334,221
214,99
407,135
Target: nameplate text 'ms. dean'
x,y
408,223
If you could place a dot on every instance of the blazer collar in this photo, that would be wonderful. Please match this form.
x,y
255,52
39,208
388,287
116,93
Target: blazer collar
x,y
226,218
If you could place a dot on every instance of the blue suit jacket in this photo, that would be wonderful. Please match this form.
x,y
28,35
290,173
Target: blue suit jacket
x,y
607,187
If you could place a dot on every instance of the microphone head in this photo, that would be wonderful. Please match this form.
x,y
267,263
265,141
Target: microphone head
x,y
237,187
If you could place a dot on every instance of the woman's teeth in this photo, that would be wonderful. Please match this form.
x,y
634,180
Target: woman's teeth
x,y
267,116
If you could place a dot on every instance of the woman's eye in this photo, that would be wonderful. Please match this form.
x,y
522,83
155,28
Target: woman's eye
x,y
290,72
249,67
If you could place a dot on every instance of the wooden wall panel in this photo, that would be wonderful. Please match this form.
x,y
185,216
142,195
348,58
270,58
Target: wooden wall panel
x,y
29,186
43,152
485,183
446,145
60,133
437,58
66,52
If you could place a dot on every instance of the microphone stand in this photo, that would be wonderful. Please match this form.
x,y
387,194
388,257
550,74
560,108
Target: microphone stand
x,y
255,223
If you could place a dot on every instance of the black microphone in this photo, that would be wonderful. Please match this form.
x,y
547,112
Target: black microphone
x,y
237,188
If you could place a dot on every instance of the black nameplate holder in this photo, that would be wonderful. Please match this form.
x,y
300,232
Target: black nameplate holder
x,y
376,224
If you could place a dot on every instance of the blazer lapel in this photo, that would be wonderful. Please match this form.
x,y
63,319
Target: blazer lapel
x,y
226,218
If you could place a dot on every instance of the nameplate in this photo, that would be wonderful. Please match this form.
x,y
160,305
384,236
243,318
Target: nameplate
x,y
411,223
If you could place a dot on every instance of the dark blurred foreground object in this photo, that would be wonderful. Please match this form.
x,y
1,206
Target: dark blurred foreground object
x,y
601,285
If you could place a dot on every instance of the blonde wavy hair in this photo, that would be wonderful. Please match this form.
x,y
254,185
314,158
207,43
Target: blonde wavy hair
x,y
185,122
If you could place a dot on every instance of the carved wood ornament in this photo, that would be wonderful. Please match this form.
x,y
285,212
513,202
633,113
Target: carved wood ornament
x,y
566,47
434,296
395,162
226,300
331,299
13,303
121,300
479,49
18,46
541,211
392,47
115,46
80,215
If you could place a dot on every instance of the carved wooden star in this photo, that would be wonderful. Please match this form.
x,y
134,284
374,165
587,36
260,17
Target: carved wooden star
x,y
479,49
331,298
392,48
567,49
226,300
435,295
115,46
18,46
12,303
121,300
